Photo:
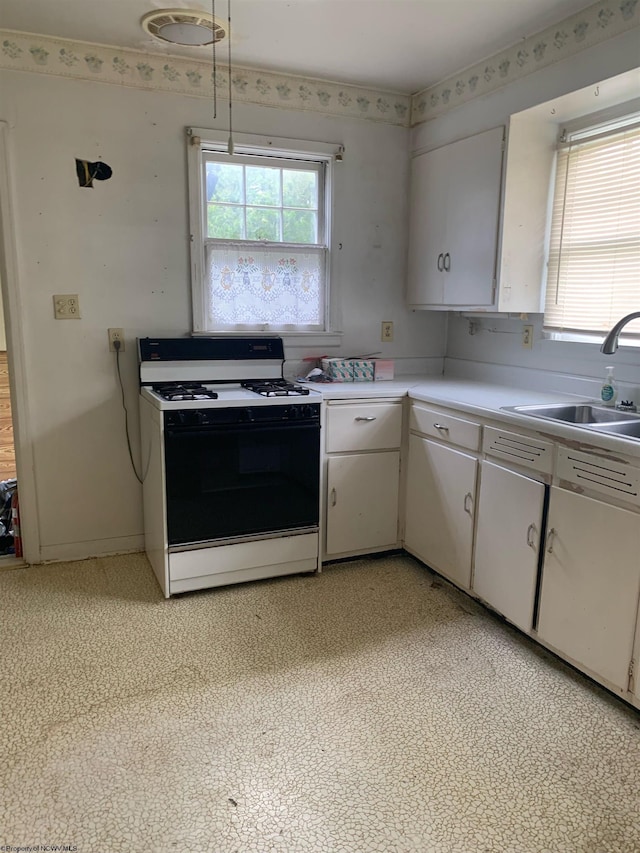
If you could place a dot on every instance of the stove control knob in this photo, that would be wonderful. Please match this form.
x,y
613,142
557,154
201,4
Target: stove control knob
x,y
201,417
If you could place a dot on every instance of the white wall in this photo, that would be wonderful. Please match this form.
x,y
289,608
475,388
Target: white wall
x,y
499,347
3,336
123,247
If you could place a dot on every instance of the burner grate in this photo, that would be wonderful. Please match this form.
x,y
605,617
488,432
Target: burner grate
x,y
186,391
275,388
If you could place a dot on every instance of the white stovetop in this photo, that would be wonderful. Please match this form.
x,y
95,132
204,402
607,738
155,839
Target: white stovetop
x,y
228,396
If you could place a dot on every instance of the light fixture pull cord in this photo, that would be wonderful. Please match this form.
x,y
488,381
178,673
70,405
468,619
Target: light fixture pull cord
x,y
213,48
230,143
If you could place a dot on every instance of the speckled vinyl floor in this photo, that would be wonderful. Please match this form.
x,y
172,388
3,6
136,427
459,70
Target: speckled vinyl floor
x,y
372,708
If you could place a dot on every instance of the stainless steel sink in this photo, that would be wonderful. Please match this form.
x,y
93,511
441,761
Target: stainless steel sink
x,y
630,429
589,416
576,413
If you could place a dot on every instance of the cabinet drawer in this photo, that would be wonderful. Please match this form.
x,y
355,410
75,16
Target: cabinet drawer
x,y
448,428
221,562
520,449
363,426
599,474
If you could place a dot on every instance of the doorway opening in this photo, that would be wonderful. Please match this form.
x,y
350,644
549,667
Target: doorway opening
x,y
10,543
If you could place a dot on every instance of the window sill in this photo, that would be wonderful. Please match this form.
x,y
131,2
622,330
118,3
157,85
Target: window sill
x,y
312,339
291,339
588,338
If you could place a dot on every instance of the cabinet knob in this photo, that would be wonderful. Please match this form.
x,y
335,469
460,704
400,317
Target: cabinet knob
x,y
366,419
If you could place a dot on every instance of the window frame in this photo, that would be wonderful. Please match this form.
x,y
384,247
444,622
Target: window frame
x,y
282,164
201,142
585,128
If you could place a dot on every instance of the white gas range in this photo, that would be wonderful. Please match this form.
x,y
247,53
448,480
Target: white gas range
x,y
232,487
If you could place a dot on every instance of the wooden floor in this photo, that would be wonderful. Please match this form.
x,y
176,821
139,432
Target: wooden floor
x,y
7,454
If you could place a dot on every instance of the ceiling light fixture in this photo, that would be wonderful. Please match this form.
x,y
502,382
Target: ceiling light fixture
x,y
195,29
187,27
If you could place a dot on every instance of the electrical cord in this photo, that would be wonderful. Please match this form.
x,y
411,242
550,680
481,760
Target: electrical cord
x,y
116,346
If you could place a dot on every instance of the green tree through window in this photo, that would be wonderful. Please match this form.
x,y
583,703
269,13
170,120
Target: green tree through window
x,y
262,203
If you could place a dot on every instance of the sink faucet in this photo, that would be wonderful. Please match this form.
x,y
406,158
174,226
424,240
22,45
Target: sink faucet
x,y
610,343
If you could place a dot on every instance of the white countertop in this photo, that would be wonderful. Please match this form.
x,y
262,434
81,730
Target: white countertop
x,y
483,399
365,390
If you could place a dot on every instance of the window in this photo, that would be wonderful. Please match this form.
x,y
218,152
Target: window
x,y
593,273
260,242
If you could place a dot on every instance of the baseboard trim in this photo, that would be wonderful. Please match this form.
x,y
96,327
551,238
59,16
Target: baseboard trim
x,y
93,548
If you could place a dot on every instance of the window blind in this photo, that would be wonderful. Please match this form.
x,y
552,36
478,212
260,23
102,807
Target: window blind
x,y
593,272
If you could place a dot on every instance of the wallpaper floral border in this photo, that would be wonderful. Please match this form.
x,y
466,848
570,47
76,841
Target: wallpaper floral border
x,y
136,69
63,58
589,27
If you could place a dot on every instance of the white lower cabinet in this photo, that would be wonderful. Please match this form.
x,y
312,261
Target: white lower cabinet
x,y
362,452
508,536
440,496
362,501
591,584
580,597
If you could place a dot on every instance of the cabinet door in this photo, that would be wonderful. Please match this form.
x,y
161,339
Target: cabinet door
x,y
362,501
427,217
591,583
473,206
441,487
508,537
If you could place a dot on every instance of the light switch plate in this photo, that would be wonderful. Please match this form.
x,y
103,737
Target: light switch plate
x,y
66,306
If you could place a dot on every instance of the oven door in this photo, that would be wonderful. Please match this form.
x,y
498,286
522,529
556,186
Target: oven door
x,y
241,481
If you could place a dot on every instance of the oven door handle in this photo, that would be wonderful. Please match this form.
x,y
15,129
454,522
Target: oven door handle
x,y
210,429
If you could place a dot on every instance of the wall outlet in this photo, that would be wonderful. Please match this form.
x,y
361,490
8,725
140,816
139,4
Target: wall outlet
x,y
387,331
527,337
66,306
116,335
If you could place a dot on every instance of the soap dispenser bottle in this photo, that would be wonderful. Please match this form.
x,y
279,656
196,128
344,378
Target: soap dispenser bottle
x,y
609,390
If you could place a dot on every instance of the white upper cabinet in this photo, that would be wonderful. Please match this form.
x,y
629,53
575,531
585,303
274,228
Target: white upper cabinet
x,y
453,225
477,225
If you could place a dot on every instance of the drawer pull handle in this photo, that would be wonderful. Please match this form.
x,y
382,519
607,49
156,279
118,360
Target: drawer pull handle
x,y
441,427
551,535
468,503
334,497
531,529
440,262
366,419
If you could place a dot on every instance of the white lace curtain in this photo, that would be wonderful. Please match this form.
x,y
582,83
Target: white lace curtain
x,y
271,286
